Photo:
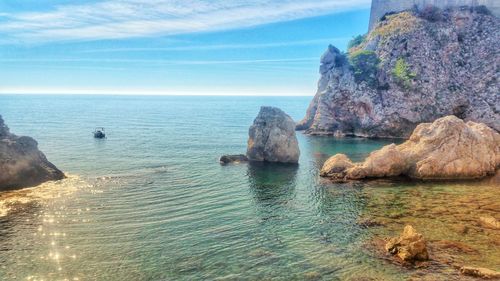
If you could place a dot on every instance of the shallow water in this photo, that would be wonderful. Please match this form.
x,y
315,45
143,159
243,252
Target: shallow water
x,y
151,202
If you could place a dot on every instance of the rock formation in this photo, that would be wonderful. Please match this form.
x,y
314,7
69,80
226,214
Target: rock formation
x,y
272,137
413,67
21,163
336,165
228,159
409,247
449,148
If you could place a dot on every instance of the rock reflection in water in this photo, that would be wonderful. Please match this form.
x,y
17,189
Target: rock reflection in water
x,y
272,183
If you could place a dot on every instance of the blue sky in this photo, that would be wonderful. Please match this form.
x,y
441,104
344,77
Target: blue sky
x,y
201,47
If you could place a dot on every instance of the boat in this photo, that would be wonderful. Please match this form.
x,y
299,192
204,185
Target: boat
x,y
99,133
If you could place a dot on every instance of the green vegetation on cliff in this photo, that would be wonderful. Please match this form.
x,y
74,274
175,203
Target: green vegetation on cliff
x,y
402,73
365,66
356,41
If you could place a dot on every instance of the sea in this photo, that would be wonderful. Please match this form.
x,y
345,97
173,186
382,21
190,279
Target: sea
x,y
152,202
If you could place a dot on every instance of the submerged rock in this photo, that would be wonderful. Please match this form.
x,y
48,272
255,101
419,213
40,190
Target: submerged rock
x,y
272,137
21,163
449,148
228,159
479,272
409,247
489,222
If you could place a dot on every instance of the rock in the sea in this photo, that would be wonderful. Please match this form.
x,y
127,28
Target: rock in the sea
x,y
272,137
410,70
21,163
479,272
449,148
335,165
409,247
228,159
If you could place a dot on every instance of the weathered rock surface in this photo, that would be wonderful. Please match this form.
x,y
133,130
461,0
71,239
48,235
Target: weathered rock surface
x,y
479,272
449,148
489,222
336,165
447,67
409,247
21,163
272,137
228,159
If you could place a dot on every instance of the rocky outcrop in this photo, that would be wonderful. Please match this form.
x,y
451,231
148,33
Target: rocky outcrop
x,y
449,148
336,165
409,247
423,67
272,137
21,163
228,159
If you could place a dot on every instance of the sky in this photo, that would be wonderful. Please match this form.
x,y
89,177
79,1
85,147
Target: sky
x,y
171,47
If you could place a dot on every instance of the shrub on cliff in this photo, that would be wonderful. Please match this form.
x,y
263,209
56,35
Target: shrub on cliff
x,y
402,73
356,41
431,13
365,66
395,24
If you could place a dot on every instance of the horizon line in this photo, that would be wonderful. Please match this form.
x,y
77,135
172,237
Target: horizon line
x,y
153,93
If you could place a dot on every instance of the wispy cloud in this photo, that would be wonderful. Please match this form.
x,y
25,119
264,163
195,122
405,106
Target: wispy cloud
x,y
222,46
162,62
138,18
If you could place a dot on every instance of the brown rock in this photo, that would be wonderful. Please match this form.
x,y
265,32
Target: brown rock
x,y
409,247
386,162
484,273
489,222
335,166
228,159
449,148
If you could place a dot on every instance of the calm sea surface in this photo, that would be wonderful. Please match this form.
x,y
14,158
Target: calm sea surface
x,y
151,201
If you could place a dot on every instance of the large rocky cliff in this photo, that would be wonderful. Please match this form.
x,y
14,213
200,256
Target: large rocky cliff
x,y
21,163
414,67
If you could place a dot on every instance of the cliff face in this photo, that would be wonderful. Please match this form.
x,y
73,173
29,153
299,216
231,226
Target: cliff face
x,y
422,68
21,163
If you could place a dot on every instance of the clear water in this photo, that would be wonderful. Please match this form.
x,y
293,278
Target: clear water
x,y
151,202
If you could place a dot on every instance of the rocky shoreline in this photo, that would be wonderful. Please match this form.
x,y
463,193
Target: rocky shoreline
x,y
446,149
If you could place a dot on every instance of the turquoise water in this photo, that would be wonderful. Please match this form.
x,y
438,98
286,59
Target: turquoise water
x,y
151,201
